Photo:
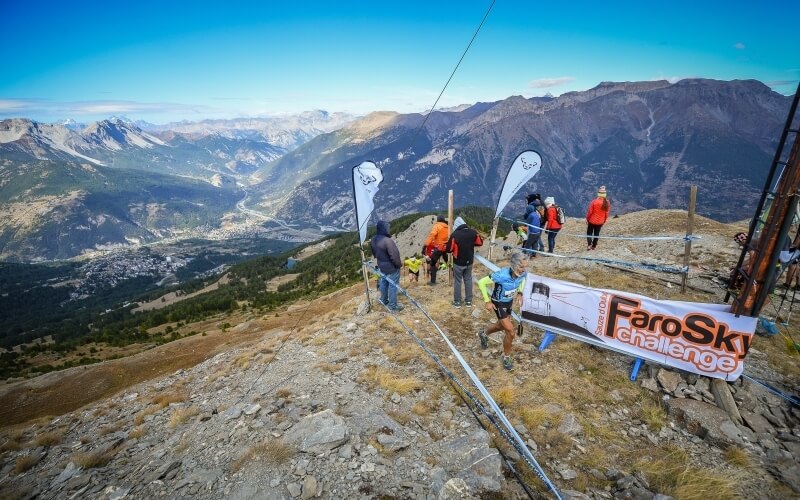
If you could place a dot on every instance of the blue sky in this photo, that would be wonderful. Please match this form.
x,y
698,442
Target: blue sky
x,y
166,61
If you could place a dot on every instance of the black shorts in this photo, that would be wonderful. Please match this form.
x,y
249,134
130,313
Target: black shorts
x,y
503,309
415,273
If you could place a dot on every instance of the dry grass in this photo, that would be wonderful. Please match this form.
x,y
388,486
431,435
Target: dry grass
x,y
329,367
49,438
13,440
505,395
737,456
421,408
671,472
284,393
95,458
376,376
401,417
243,361
182,446
107,429
136,433
400,354
652,414
165,399
559,443
271,451
139,418
24,464
181,415
533,416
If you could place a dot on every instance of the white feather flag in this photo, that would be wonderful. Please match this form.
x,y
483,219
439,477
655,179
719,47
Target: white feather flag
x,y
366,178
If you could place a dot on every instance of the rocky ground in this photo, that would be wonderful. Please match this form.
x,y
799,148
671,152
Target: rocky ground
x,y
337,401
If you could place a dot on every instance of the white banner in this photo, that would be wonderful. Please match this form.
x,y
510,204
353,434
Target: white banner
x,y
522,170
700,338
366,178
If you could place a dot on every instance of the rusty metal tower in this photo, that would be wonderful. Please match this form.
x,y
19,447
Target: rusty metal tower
x,y
769,228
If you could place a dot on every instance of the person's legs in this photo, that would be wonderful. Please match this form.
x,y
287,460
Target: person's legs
x,y
392,289
383,286
551,240
534,242
508,337
457,277
589,233
596,233
467,274
434,264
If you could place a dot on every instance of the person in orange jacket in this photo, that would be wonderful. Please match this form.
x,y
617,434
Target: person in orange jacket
x,y
596,216
436,243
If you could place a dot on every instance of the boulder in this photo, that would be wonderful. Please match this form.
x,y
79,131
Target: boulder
x,y
669,380
319,432
473,459
705,420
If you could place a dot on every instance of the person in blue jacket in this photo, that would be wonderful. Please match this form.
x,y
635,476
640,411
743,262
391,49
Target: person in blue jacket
x,y
507,282
534,221
388,256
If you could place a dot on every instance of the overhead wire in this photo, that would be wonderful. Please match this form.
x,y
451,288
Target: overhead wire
x,y
474,35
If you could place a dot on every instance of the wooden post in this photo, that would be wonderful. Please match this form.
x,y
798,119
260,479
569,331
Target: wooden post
x,y
450,211
450,231
687,249
491,237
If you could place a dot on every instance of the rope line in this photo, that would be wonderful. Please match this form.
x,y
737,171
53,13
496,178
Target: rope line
x,y
652,267
509,433
690,237
788,397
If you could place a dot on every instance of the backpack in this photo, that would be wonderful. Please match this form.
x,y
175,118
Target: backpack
x,y
562,219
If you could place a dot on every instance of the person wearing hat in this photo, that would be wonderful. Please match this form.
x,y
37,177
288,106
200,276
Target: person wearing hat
x,y
551,224
596,216
462,245
534,221
436,243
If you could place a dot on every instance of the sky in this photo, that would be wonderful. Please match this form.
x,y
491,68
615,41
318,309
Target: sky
x,y
169,61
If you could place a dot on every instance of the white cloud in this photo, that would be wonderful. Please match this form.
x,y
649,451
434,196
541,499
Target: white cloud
x,y
739,46
546,83
50,109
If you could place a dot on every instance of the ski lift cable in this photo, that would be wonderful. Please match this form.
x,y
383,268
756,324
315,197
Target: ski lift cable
x,y
510,434
639,238
414,137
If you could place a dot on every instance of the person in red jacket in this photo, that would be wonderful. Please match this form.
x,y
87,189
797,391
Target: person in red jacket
x,y
551,224
596,216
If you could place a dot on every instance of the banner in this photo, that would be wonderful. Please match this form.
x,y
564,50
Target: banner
x,y
700,338
366,178
522,170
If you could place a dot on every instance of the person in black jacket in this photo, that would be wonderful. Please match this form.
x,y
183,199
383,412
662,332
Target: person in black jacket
x,y
462,245
388,256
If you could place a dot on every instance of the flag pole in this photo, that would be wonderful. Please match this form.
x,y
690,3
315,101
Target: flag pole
x,y
366,276
491,238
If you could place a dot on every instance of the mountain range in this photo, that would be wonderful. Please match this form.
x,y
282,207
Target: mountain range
x,y
67,187
647,142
